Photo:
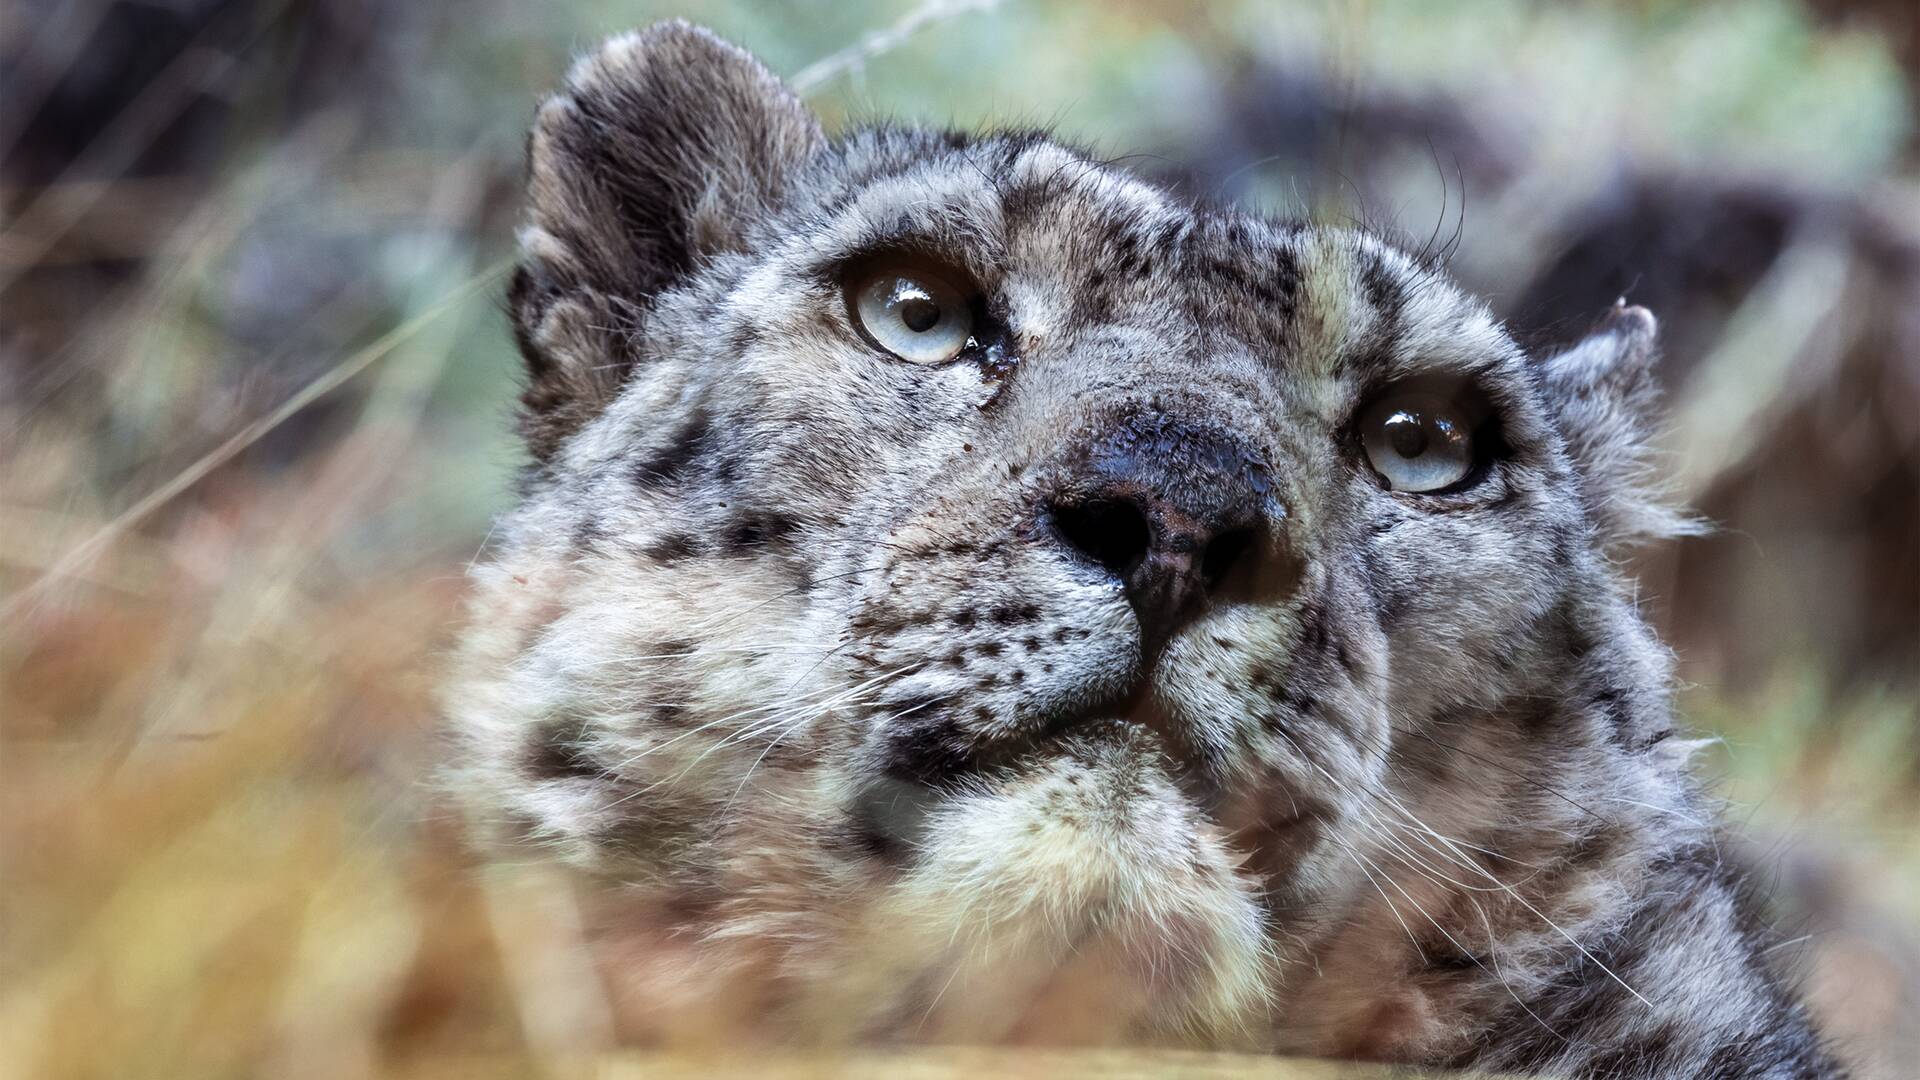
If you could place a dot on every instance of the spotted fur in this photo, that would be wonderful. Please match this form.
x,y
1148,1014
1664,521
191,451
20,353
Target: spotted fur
x,y
784,653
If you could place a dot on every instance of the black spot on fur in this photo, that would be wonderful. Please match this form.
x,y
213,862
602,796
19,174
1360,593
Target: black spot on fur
x,y
757,531
880,620
671,548
558,752
1295,701
933,752
669,464
1014,614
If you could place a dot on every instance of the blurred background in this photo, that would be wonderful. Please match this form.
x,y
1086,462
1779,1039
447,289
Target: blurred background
x,y
255,400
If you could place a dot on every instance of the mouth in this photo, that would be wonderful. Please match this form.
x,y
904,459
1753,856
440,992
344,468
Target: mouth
x,y
929,765
949,743
1030,877
935,769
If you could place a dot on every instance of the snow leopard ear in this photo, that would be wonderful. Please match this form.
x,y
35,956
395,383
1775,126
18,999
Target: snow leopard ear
x,y
1606,398
665,146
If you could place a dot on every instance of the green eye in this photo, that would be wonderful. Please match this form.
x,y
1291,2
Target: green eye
x,y
1418,442
912,311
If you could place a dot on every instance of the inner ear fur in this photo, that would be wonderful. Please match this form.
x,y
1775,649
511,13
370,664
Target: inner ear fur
x,y
664,147
1606,398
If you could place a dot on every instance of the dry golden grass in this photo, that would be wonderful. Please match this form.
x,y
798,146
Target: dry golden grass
x,y
219,857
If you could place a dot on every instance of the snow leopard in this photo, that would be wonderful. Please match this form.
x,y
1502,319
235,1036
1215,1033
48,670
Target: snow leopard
x,y
964,592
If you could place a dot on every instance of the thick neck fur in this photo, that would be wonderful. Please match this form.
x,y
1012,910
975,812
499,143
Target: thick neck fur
x,y
1546,891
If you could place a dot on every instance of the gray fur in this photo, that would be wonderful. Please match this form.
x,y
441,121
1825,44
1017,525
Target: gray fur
x,y
783,653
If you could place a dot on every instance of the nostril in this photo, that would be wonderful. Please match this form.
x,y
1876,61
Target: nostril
x,y
1220,555
1113,533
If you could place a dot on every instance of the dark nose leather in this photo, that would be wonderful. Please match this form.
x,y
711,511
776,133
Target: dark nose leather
x,y
1166,508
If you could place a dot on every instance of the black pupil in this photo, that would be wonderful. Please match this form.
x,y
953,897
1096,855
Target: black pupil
x,y
919,314
1406,434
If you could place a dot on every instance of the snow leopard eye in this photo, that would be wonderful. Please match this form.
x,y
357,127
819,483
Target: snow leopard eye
x,y
1419,440
917,313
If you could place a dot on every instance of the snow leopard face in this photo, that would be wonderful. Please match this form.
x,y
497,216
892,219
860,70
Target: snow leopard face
x,y
965,591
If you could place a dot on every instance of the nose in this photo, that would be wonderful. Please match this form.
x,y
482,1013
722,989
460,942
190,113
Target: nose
x,y
1168,510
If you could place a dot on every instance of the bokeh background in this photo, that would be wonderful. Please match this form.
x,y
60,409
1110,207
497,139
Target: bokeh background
x,y
255,392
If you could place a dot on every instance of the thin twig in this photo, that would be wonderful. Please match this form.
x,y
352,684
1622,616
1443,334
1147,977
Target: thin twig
x,y
877,42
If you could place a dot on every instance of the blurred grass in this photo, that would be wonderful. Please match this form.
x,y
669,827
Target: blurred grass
x,y
254,421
